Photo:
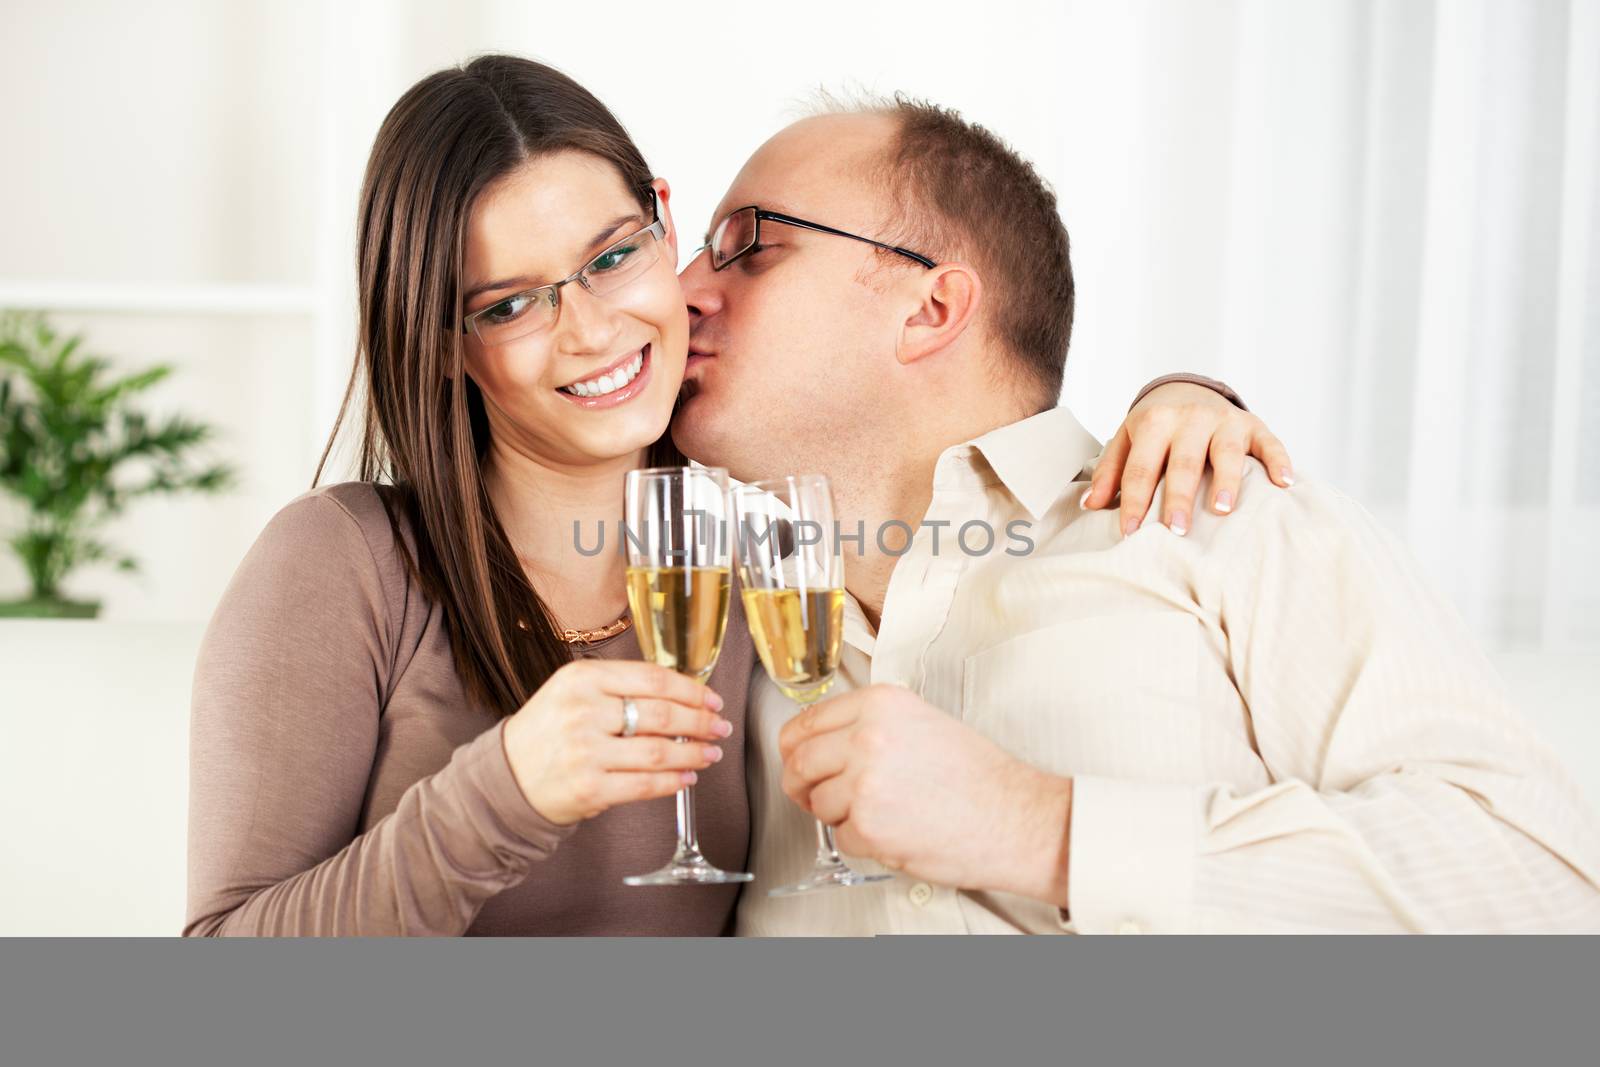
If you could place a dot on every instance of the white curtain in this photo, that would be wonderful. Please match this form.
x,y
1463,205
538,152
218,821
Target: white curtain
x,y
1381,222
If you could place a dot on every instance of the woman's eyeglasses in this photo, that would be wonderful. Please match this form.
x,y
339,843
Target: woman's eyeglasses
x,y
531,311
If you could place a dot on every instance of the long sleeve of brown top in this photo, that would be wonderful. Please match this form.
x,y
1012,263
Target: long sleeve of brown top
x,y
292,678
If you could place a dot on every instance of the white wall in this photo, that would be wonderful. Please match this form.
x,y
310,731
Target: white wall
x,y
94,777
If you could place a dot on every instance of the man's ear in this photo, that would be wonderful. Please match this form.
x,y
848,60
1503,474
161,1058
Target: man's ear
x,y
948,299
663,199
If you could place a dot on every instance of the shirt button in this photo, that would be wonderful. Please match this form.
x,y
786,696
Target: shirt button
x,y
921,893
1129,926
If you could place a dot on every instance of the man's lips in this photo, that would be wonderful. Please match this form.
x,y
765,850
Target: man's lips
x,y
697,356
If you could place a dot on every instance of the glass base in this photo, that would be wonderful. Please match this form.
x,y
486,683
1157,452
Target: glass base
x,y
829,876
688,868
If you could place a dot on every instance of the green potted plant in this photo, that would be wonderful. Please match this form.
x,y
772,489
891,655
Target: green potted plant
x,y
76,452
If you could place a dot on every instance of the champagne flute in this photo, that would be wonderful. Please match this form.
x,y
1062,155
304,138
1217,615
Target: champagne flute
x,y
678,586
792,575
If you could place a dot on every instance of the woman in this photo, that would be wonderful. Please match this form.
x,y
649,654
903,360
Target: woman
x,y
409,708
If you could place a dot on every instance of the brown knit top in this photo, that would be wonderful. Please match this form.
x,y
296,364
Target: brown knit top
x,y
341,781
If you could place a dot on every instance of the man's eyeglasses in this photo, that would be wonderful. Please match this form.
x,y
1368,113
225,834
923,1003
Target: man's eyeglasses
x,y
740,231
533,310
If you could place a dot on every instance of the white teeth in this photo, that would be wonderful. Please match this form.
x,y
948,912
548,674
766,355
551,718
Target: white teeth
x,y
608,383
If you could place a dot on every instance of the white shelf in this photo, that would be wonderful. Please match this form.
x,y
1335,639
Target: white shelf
x,y
160,299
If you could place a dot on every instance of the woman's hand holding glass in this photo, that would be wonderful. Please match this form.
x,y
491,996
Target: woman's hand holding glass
x,y
678,587
566,748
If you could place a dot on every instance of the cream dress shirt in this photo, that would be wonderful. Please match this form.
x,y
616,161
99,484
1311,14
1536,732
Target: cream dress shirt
x,y
1272,724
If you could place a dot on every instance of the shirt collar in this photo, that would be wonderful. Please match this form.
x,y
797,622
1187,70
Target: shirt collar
x,y
858,632
1038,457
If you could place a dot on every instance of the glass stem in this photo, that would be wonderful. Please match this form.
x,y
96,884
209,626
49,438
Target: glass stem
x,y
688,833
688,837
827,848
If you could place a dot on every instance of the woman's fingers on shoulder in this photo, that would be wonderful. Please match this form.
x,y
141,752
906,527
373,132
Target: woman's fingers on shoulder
x,y
1227,468
1147,459
1172,445
1273,455
1186,461
1107,472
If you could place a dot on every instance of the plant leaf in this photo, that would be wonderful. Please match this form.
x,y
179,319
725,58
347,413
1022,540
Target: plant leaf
x,y
75,450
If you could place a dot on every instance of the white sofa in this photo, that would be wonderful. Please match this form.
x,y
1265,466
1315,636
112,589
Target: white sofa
x,y
93,767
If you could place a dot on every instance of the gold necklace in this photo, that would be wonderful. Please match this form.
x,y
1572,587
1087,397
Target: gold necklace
x,y
589,637
580,637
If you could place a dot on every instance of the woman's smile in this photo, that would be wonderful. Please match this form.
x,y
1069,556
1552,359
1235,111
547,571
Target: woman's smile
x,y
617,384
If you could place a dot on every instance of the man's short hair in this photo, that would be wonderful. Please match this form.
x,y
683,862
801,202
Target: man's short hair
x,y
962,191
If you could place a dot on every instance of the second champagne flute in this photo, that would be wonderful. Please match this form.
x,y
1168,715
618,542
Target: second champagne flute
x,y
676,533
792,575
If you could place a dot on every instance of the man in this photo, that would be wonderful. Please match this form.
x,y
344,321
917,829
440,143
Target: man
x,y
1258,723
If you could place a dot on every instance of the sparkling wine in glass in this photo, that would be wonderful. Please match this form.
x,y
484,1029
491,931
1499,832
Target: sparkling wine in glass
x,y
676,535
792,575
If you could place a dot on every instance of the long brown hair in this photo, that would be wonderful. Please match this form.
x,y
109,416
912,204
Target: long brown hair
x,y
424,430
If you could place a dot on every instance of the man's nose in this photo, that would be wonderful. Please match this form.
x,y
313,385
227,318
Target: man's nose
x,y
702,287
589,324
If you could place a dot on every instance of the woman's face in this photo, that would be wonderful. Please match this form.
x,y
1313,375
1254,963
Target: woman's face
x,y
563,393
